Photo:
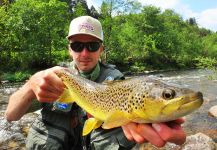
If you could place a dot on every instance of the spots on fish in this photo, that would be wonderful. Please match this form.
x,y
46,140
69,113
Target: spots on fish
x,y
107,97
135,96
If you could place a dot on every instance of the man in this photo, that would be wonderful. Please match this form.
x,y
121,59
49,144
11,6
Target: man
x,y
59,126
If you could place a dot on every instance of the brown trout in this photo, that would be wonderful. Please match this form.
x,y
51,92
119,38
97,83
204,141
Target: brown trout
x,y
138,99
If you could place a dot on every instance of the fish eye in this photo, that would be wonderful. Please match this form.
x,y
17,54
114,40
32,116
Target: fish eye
x,y
168,94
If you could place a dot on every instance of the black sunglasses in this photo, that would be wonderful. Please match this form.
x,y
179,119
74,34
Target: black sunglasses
x,y
79,46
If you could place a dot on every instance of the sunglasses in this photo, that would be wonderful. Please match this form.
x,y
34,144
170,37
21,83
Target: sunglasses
x,y
79,46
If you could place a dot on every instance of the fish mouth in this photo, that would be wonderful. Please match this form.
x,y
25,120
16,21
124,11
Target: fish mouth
x,y
183,105
192,101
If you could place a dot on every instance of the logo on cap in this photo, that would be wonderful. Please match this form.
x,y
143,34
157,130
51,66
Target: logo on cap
x,y
86,26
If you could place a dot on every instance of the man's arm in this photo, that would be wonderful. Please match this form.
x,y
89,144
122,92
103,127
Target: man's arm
x,y
45,86
19,103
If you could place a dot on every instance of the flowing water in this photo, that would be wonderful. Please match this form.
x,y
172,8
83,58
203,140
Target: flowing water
x,y
198,121
199,80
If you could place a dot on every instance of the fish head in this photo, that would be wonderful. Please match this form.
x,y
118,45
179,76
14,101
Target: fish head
x,y
163,102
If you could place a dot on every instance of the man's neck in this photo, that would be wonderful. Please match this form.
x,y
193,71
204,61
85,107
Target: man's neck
x,y
93,74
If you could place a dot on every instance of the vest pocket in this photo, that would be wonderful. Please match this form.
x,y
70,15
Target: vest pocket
x,y
45,137
112,139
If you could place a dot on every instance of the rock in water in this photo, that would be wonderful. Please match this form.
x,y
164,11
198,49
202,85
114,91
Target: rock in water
x,y
198,141
213,111
13,134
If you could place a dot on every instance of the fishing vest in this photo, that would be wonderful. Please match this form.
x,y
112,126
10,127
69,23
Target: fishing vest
x,y
61,129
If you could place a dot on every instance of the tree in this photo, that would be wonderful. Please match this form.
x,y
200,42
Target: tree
x,y
79,10
210,46
108,10
32,33
35,30
192,21
94,13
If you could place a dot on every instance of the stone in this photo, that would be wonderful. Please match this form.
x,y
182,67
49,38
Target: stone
x,y
198,141
13,134
213,111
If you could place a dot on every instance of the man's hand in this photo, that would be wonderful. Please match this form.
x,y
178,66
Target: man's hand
x,y
46,85
157,134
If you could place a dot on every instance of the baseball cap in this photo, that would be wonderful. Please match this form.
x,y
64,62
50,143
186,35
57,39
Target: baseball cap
x,y
86,25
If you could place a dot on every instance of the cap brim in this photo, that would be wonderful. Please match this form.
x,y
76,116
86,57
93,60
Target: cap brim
x,y
69,36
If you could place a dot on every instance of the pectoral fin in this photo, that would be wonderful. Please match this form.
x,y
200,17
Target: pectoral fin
x,y
116,119
140,116
90,125
66,97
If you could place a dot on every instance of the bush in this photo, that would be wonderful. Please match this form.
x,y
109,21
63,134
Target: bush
x,y
16,77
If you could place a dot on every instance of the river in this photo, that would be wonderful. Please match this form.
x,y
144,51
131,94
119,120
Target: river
x,y
199,80
198,121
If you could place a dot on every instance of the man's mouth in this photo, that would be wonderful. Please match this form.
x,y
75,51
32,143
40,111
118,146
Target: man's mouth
x,y
84,62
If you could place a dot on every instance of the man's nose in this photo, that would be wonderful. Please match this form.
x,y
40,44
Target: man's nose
x,y
85,51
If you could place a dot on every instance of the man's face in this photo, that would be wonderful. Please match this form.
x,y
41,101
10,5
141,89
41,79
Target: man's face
x,y
85,60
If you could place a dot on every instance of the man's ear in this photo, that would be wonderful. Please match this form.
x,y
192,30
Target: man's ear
x,y
101,48
70,51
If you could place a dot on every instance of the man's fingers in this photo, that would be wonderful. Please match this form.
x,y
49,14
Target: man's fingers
x,y
53,82
130,131
127,133
179,120
46,96
46,85
136,135
171,133
151,135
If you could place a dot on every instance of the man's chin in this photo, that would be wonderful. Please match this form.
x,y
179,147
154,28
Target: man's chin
x,y
85,68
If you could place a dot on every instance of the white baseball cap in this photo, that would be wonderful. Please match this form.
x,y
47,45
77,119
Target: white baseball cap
x,y
86,25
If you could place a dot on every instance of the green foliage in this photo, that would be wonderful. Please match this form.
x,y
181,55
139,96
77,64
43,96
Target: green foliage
x,y
210,45
152,39
208,63
208,59
79,10
33,30
16,77
136,38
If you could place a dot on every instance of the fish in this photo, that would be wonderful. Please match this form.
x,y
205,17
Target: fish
x,y
140,99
